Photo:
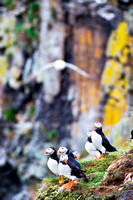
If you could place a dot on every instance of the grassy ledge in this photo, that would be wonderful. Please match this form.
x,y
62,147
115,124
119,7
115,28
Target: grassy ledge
x,y
95,188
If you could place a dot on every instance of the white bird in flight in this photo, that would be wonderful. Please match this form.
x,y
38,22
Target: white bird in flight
x,y
60,65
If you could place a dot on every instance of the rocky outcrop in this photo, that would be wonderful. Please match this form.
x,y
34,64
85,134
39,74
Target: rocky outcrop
x,y
120,171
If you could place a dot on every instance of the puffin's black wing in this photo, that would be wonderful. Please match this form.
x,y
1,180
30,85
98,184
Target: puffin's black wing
x,y
76,169
107,144
78,173
74,164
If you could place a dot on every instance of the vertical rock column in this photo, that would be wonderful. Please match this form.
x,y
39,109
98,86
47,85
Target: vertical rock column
x,y
90,40
51,45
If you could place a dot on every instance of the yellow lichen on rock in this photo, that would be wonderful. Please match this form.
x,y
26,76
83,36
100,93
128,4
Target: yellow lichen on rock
x,y
3,68
112,72
117,41
114,77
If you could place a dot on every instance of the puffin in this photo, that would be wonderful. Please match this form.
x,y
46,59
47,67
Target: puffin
x,y
100,141
90,147
73,170
131,136
65,150
62,150
53,160
62,167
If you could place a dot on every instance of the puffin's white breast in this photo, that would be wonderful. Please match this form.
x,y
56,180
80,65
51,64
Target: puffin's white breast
x,y
53,166
89,147
97,141
64,170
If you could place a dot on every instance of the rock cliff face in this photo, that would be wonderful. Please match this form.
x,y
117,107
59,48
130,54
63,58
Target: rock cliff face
x,y
57,107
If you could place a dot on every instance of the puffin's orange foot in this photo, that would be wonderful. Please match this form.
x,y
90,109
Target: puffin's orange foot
x,y
68,186
100,156
76,181
61,181
58,176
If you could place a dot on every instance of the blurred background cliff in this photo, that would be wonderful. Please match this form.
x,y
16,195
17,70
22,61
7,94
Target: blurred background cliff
x,y
56,108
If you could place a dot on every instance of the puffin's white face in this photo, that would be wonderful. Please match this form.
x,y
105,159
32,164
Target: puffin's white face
x,y
89,133
97,125
49,151
64,158
75,153
62,150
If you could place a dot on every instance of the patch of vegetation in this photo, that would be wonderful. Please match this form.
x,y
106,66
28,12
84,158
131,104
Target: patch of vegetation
x,y
52,134
83,154
9,114
31,32
19,28
8,3
33,9
53,13
31,111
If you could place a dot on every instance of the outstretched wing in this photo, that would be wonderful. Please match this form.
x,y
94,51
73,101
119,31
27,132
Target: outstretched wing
x,y
43,68
77,69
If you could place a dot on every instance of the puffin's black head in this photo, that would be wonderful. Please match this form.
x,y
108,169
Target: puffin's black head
x,y
132,135
49,151
62,150
97,126
73,154
89,133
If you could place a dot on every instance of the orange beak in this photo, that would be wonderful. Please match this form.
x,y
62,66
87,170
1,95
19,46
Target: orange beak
x,y
66,161
76,158
94,128
59,152
45,152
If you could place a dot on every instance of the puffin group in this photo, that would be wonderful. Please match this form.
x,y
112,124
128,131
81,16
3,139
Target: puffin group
x,y
97,144
67,165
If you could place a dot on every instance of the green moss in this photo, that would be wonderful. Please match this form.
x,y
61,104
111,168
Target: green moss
x,y
50,180
52,193
33,9
53,13
130,156
8,3
9,114
83,154
31,32
19,28
52,134
31,111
